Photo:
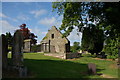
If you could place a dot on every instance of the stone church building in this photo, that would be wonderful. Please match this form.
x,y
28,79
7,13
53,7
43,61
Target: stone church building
x,y
54,43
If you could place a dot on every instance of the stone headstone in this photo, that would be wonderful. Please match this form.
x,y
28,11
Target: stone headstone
x,y
17,49
4,51
91,68
27,45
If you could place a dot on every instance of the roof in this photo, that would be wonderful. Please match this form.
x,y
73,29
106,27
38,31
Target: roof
x,y
53,27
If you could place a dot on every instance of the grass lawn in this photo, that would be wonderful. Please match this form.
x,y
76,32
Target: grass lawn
x,y
50,67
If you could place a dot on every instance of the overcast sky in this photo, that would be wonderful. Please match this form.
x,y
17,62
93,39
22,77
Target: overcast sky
x,y
38,17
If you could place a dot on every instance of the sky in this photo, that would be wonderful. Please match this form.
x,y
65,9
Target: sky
x,y
38,17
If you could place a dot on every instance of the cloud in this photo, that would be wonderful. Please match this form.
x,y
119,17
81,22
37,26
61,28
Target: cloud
x,y
48,21
38,13
23,17
7,17
3,15
51,21
35,30
40,34
44,33
7,27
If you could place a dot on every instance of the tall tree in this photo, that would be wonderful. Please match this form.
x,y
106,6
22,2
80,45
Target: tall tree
x,y
92,39
105,15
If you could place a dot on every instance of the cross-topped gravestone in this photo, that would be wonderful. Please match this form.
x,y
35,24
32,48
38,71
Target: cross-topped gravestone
x,y
17,47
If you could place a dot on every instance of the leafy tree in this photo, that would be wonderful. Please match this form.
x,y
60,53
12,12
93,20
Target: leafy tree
x,y
75,47
92,40
105,15
27,34
111,49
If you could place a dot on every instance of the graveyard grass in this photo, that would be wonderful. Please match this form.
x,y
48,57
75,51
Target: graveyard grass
x,y
41,66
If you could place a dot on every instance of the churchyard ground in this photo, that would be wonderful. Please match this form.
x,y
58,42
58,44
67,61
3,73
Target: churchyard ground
x,y
41,66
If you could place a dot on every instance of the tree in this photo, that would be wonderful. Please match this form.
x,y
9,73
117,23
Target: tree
x,y
79,14
27,34
9,38
92,39
75,47
106,16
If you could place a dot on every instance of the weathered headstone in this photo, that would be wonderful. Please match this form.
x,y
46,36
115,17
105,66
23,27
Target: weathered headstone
x,y
27,45
4,51
17,53
91,68
17,47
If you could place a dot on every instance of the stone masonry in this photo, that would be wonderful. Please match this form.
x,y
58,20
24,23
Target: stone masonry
x,y
53,42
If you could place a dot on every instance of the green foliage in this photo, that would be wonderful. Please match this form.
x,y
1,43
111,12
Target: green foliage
x,y
75,47
71,15
92,39
111,49
105,14
35,48
9,38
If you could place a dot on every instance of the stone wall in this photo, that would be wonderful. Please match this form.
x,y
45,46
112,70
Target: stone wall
x,y
64,55
71,55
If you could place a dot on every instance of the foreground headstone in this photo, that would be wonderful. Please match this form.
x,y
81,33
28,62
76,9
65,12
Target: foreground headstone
x,y
17,54
17,47
4,51
91,68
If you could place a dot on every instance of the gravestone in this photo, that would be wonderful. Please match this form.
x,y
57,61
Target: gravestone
x,y
17,47
17,54
91,68
27,45
4,51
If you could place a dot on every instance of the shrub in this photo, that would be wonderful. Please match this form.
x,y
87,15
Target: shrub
x,y
35,48
111,49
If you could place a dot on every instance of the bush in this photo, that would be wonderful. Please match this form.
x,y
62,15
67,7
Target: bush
x,y
35,48
111,49
111,57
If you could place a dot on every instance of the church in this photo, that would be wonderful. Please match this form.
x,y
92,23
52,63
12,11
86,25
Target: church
x,y
53,42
